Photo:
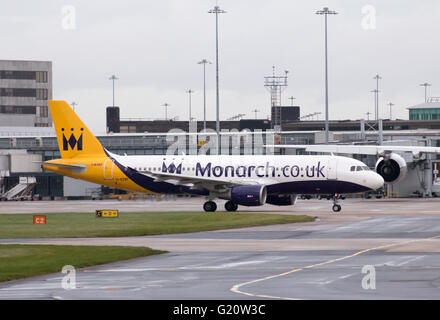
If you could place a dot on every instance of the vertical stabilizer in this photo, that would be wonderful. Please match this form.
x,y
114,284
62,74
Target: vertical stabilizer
x,y
74,138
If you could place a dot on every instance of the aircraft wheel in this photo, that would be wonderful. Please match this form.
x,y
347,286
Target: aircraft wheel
x,y
336,208
209,206
231,206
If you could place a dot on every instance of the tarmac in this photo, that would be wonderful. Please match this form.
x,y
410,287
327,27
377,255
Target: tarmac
x,y
372,249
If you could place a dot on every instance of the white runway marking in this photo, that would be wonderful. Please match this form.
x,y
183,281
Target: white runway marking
x,y
226,265
236,288
347,276
410,260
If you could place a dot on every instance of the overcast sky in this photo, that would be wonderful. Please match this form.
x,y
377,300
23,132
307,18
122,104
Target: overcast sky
x,y
153,48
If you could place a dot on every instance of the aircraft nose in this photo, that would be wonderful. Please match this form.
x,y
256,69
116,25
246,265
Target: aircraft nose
x,y
376,181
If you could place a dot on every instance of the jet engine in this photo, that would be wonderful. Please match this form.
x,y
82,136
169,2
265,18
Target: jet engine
x,y
251,195
392,168
281,199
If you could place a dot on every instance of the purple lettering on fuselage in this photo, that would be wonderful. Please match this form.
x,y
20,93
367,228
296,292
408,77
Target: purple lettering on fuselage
x,y
268,170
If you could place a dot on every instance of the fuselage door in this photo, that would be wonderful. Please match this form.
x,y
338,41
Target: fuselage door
x,y
332,166
108,169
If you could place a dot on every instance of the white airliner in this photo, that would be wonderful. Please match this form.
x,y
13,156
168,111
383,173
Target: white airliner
x,y
242,180
390,165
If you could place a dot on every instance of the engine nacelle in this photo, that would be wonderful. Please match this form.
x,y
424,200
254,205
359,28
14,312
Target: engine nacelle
x,y
281,199
392,169
252,195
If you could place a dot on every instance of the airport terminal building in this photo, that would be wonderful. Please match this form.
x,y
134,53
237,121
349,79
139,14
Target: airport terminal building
x,y
27,137
22,153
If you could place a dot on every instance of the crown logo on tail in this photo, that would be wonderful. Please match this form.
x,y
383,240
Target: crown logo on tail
x,y
72,142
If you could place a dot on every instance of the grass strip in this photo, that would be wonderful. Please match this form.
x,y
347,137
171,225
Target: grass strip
x,y
20,261
84,225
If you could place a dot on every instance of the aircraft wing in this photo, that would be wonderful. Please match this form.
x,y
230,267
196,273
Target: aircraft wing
x,y
362,149
211,184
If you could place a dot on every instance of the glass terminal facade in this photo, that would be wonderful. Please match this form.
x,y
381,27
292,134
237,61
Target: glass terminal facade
x,y
424,114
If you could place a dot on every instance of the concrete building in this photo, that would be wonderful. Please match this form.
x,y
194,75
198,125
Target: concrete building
x,y
25,88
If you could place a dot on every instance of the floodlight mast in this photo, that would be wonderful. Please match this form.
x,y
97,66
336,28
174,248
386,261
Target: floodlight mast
x,y
426,84
204,62
113,78
391,105
291,100
326,12
166,105
377,78
276,85
189,93
375,103
217,10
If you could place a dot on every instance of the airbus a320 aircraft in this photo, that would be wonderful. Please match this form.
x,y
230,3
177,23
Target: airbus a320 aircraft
x,y
242,180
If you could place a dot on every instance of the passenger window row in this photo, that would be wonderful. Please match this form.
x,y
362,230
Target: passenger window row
x,y
359,168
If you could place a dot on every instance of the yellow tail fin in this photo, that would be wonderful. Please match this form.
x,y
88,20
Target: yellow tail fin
x,y
74,138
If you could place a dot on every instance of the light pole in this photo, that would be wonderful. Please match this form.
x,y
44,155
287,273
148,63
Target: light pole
x,y
256,111
204,62
291,100
113,78
426,84
166,105
377,77
375,103
326,12
74,104
217,10
390,104
189,93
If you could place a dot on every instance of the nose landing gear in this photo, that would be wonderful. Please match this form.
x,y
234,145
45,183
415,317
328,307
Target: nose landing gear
x,y
336,206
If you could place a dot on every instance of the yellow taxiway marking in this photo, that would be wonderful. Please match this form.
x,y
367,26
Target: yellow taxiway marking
x,y
236,288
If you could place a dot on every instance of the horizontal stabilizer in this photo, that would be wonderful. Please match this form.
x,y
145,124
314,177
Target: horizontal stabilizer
x,y
75,168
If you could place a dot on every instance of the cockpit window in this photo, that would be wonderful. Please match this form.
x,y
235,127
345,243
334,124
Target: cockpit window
x,y
366,168
359,168
353,168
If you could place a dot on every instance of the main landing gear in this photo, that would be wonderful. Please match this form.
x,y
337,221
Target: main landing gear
x,y
336,206
231,206
211,206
